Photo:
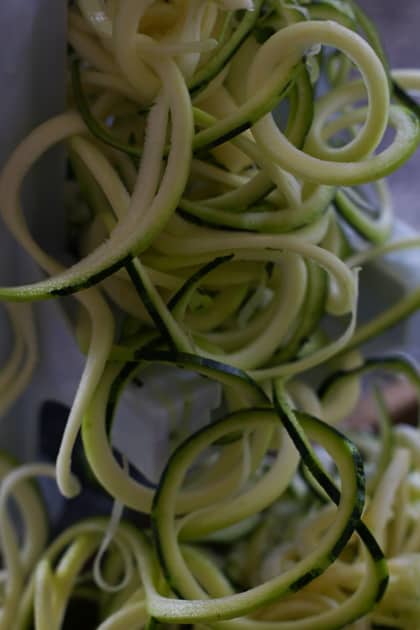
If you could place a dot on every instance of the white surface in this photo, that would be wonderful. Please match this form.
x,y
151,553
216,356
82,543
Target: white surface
x,y
153,419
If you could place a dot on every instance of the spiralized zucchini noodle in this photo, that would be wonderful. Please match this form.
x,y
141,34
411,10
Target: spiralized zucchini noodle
x,y
226,185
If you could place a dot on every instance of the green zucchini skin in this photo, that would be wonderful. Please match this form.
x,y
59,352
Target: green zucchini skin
x,y
96,128
294,421
258,415
138,280
161,514
264,218
300,427
219,133
228,375
354,212
221,58
193,281
405,99
398,363
301,109
312,313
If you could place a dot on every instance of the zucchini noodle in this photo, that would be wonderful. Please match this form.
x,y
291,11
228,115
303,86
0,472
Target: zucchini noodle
x,y
17,371
218,154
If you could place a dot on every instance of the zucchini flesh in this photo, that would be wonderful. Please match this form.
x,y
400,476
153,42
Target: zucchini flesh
x,y
179,577
222,239
98,421
97,129
203,77
356,211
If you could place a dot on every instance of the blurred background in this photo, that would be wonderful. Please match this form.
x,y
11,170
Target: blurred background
x,y
399,26
398,23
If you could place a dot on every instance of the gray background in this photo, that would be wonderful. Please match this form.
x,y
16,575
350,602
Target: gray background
x,y
399,25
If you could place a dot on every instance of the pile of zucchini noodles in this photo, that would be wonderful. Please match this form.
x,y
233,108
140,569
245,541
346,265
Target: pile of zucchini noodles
x,y
225,187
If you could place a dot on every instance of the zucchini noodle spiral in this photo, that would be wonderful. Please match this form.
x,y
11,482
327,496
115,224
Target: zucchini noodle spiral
x,y
226,159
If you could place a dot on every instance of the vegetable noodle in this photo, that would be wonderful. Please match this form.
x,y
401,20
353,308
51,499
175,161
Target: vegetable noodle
x,y
226,185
